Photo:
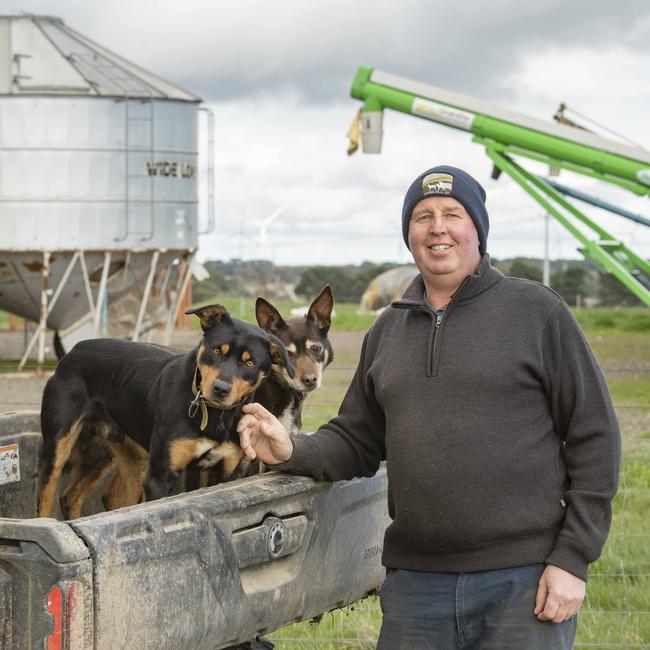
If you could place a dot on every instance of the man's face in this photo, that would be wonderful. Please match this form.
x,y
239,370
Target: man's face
x,y
443,239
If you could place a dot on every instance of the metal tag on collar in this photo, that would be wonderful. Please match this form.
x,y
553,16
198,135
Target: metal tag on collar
x,y
194,405
198,401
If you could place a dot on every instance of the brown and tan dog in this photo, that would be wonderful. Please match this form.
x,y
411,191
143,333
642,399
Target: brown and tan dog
x,y
310,352
111,402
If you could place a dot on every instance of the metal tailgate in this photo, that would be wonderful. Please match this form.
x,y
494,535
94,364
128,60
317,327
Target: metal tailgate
x,y
211,568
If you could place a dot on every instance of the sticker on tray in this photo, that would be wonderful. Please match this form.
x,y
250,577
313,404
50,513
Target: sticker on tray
x,y
9,464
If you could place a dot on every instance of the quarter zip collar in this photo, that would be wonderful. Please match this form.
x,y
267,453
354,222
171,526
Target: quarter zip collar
x,y
484,277
437,319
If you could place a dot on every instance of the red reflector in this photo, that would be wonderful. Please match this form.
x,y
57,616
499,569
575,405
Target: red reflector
x,y
55,608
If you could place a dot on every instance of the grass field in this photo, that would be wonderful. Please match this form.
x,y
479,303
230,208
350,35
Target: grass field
x,y
346,319
616,613
596,321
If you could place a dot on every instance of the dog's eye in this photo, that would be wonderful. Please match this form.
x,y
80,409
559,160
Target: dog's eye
x,y
217,351
316,349
250,363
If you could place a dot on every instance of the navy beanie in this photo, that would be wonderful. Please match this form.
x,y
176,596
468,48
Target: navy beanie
x,y
449,181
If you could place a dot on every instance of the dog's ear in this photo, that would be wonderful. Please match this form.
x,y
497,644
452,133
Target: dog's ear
x,y
210,315
268,317
320,310
279,355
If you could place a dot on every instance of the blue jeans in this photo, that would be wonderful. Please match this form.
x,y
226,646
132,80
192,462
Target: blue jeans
x,y
488,610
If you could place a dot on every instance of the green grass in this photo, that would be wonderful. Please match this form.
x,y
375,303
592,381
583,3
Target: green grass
x,y
346,318
618,598
613,348
628,319
631,320
616,612
594,320
11,365
350,628
618,594
631,389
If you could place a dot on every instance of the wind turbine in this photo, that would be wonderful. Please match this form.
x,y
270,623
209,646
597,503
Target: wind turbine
x,y
263,238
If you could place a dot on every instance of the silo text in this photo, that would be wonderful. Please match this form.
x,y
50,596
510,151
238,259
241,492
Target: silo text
x,y
169,168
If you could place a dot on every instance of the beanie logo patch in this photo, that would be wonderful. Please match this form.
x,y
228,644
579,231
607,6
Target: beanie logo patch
x,y
437,183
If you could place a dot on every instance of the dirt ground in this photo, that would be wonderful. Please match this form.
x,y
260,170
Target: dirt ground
x,y
20,391
23,391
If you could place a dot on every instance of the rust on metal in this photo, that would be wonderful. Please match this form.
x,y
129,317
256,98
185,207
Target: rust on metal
x,y
35,267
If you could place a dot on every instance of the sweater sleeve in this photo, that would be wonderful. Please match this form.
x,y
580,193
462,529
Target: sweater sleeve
x,y
349,445
584,417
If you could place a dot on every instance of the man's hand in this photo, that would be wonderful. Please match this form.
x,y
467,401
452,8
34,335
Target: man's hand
x,y
262,436
559,595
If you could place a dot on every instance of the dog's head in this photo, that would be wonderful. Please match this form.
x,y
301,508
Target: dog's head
x,y
305,338
234,357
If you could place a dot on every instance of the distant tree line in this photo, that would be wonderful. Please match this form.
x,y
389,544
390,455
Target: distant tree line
x,y
577,281
348,282
259,277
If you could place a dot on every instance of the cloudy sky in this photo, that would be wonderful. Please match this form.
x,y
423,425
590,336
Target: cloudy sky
x,y
277,76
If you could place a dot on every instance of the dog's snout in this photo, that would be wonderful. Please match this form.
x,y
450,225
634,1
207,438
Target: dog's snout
x,y
221,388
309,379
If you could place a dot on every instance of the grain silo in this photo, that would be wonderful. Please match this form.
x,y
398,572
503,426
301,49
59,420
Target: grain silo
x,y
98,179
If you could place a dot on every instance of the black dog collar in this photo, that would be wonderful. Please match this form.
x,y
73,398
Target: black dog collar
x,y
201,402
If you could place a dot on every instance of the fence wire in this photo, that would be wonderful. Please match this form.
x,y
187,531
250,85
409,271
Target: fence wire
x,y
616,611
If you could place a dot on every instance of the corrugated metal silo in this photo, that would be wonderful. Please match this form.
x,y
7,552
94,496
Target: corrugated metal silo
x,y
98,176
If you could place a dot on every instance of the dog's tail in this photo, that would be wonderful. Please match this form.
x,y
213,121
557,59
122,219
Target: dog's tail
x,y
58,346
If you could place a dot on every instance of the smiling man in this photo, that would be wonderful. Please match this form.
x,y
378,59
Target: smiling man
x,y
444,243
501,442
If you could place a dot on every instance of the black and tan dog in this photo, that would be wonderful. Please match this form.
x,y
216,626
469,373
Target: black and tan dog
x,y
310,352
110,403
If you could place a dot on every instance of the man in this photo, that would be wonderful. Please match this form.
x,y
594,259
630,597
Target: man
x,y
501,442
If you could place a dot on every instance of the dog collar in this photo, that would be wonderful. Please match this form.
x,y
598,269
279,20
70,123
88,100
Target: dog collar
x,y
198,401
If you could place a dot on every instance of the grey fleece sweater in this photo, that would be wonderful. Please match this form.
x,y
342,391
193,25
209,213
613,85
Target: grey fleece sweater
x,y
501,441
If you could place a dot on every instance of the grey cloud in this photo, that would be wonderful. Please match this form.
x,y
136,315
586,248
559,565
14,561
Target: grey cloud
x,y
224,51
457,48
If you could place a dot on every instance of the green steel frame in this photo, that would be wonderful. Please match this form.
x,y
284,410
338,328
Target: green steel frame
x,y
503,138
605,251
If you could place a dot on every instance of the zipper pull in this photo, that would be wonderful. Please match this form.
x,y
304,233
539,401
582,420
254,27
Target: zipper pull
x,y
438,320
